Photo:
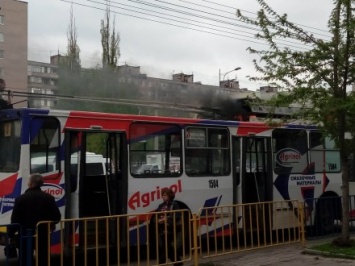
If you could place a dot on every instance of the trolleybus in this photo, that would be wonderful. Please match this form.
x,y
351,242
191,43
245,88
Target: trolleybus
x,y
206,162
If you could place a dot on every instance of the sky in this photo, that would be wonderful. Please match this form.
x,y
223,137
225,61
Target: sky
x,y
199,37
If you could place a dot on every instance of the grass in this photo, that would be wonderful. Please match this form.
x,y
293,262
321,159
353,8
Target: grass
x,y
336,249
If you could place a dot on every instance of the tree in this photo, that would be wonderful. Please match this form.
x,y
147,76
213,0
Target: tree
x,y
73,50
110,42
317,77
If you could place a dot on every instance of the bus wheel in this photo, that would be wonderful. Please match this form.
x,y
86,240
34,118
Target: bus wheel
x,y
326,214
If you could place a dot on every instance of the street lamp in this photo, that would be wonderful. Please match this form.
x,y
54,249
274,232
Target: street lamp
x,y
235,69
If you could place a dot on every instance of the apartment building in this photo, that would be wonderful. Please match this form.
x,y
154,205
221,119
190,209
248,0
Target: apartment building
x,y
13,47
42,83
186,98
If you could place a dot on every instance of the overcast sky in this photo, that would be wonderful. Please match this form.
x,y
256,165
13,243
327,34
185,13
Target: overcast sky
x,y
173,39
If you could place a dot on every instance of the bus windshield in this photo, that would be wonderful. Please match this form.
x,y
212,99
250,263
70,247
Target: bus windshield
x,y
10,144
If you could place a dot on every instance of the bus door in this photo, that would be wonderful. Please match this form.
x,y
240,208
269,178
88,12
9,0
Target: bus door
x,y
257,180
236,161
96,174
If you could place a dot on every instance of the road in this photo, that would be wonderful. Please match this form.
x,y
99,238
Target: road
x,y
286,255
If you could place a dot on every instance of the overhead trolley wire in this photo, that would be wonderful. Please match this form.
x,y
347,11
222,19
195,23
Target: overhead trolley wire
x,y
165,23
246,11
191,26
204,16
151,104
284,42
215,14
221,33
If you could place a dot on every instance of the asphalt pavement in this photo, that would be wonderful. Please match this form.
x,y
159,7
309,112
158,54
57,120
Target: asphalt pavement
x,y
283,255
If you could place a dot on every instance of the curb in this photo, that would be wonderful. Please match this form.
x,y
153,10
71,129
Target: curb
x,y
308,251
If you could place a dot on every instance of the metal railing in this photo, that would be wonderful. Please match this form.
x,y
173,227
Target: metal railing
x,y
235,228
323,216
171,237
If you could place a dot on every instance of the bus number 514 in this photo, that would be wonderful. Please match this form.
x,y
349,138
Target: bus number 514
x,y
213,183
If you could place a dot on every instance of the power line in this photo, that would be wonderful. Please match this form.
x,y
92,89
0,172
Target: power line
x,y
218,20
117,101
198,28
200,11
203,30
221,33
166,23
284,42
302,25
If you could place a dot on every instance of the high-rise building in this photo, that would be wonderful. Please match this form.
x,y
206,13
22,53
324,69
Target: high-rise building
x,y
13,47
42,83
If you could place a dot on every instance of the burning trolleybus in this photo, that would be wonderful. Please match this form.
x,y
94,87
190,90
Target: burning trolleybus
x,y
208,163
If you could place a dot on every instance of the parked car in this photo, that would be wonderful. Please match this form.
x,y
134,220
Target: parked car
x,y
147,169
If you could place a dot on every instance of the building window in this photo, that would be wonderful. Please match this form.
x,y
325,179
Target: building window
x,y
1,72
1,54
36,69
1,37
36,90
2,19
33,79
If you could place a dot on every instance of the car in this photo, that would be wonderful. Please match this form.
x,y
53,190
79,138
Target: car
x,y
147,169
95,164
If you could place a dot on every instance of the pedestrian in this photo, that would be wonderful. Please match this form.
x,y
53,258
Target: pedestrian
x,y
4,104
169,229
2,85
30,208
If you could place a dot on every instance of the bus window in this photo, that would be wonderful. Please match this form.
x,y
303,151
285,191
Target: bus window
x,y
207,151
44,144
324,155
290,150
10,145
155,150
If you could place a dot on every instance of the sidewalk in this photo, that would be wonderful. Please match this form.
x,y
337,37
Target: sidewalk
x,y
285,255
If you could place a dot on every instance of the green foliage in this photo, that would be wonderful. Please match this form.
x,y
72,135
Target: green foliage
x,y
333,249
315,77
96,143
110,42
73,50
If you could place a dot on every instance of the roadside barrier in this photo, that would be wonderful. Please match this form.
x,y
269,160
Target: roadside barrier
x,y
259,225
171,237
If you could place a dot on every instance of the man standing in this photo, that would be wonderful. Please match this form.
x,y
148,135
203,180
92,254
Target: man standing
x,y
2,85
4,104
30,208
